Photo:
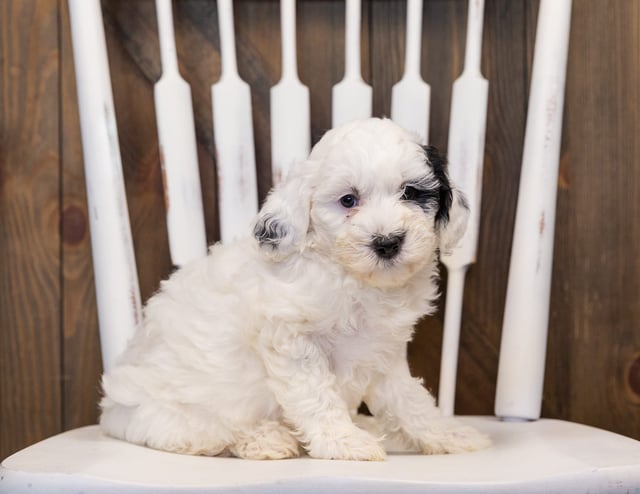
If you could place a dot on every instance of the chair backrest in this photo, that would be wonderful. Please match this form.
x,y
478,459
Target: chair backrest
x,y
524,332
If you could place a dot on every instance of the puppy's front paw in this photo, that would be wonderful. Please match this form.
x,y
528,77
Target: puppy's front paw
x,y
270,440
346,443
450,436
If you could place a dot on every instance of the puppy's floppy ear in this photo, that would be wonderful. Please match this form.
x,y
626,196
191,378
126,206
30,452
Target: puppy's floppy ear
x,y
282,223
452,232
453,210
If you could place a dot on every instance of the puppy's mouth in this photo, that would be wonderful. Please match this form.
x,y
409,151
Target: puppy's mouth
x,y
382,260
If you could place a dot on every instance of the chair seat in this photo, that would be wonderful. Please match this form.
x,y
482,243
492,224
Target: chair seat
x,y
546,455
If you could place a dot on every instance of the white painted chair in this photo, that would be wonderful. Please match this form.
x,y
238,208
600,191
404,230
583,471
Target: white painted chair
x,y
529,455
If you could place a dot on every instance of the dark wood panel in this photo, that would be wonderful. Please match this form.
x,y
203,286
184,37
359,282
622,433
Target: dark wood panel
x,y
197,34
321,54
258,45
387,51
600,191
30,350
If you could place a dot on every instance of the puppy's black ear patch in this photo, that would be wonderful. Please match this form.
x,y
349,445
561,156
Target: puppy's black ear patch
x,y
438,164
269,231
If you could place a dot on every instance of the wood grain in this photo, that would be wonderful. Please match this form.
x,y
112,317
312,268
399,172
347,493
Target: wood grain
x,y
30,349
320,56
598,254
49,354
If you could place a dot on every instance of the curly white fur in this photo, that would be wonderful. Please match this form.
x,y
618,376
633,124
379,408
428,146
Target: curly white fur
x,y
272,342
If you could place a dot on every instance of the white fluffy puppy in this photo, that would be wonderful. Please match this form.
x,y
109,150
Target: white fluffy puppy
x,y
272,342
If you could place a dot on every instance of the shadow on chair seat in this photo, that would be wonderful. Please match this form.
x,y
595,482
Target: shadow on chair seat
x,y
527,457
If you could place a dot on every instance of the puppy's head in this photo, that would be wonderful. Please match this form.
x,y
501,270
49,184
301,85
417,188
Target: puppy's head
x,y
370,198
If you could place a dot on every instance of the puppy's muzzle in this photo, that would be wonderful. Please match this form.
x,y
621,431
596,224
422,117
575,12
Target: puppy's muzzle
x,y
387,246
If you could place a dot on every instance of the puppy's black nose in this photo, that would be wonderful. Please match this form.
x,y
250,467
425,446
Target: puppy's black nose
x,y
387,246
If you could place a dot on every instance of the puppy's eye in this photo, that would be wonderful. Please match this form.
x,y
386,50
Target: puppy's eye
x,y
349,201
414,194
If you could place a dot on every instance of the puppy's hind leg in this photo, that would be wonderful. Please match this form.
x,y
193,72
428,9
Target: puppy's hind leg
x,y
269,440
177,429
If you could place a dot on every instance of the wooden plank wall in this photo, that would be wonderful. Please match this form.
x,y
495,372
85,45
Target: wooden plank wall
x,y
49,354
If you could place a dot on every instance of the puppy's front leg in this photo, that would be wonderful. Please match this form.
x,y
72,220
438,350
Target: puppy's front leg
x,y
405,407
304,386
